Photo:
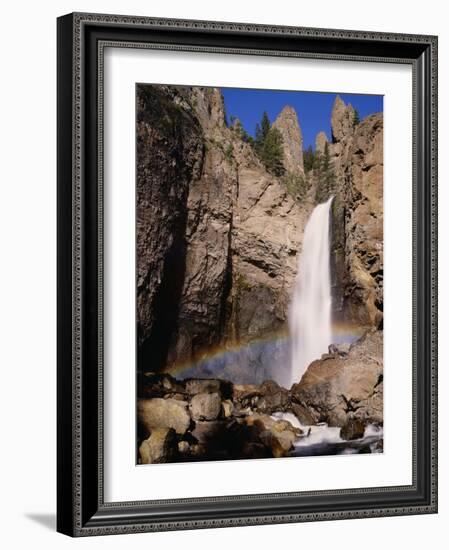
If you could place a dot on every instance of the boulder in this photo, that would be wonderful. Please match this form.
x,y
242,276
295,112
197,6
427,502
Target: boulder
x,y
303,414
160,447
279,444
277,435
272,398
210,433
163,413
208,385
337,388
205,406
354,428
152,384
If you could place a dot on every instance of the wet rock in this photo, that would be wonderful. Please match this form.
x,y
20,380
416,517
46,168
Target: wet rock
x,y
354,428
303,414
163,413
160,447
205,406
267,398
273,398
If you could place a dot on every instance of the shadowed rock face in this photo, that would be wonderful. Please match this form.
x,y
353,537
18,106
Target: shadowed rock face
x,y
170,153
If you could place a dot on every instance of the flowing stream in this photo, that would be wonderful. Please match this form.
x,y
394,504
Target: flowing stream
x,y
310,309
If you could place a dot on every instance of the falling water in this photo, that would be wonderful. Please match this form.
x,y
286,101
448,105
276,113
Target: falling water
x,y
310,309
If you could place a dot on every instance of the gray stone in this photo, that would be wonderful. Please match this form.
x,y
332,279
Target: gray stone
x,y
205,406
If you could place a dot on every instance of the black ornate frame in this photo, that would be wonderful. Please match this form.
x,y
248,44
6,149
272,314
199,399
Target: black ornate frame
x,y
81,507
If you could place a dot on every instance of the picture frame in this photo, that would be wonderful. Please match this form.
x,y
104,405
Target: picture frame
x,y
81,507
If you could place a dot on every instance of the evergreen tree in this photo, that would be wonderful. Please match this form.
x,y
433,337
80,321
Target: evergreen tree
x,y
265,125
271,153
261,132
268,145
310,159
356,120
326,178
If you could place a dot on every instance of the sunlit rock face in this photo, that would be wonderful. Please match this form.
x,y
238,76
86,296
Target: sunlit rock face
x,y
288,125
357,259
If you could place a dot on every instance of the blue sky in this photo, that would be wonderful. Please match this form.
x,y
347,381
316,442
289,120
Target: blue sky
x,y
313,108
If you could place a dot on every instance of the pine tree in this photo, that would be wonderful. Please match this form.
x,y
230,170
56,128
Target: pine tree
x,y
268,145
265,125
326,178
356,120
261,132
310,159
272,153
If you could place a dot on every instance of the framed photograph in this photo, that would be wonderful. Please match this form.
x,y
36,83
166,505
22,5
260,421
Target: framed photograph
x,y
247,278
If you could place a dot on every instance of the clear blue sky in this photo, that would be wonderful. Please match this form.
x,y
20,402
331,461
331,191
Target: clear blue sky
x,y
313,108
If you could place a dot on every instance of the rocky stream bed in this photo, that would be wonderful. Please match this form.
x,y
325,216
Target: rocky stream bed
x,y
335,409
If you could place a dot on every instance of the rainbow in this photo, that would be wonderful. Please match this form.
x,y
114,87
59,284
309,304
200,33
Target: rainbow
x,y
229,351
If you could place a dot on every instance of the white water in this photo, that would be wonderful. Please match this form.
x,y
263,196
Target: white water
x,y
325,437
310,309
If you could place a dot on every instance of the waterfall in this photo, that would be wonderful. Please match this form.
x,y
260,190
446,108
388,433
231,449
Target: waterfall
x,y
310,308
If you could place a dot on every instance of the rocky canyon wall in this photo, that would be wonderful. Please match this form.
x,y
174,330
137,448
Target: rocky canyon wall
x,y
218,258
218,236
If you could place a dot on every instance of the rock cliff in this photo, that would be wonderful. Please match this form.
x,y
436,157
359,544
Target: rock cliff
x,y
290,130
357,159
218,239
222,254
218,236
